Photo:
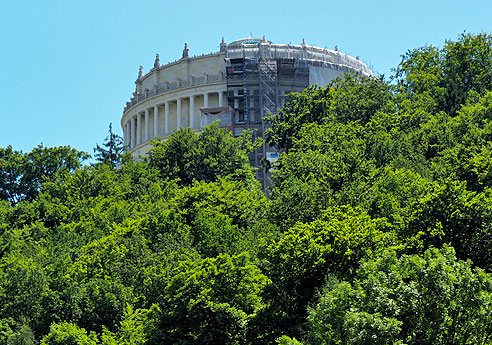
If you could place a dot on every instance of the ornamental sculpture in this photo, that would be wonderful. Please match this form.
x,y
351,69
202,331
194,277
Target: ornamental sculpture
x,y
186,53
223,45
157,62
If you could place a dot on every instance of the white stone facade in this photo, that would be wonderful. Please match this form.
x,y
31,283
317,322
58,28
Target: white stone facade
x,y
169,97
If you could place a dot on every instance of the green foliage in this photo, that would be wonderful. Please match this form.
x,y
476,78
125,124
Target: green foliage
x,y
285,340
451,214
298,263
67,333
433,299
449,75
131,330
322,168
392,194
465,155
208,156
420,73
22,282
21,175
223,216
346,100
6,330
210,301
13,334
10,174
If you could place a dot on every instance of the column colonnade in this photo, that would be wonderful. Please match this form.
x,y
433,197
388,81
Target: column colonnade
x,y
137,128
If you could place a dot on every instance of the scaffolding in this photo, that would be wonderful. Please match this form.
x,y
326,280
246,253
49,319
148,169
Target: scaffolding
x,y
332,59
260,74
269,104
256,86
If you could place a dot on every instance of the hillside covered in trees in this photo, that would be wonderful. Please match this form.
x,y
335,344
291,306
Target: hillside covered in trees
x,y
377,230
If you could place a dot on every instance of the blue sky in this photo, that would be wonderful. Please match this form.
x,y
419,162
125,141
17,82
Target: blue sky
x,y
68,67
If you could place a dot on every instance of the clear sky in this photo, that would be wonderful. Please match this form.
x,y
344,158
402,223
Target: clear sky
x,y
68,67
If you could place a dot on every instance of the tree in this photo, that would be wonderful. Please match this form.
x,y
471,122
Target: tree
x,y
349,99
434,299
22,283
212,154
66,333
222,217
449,213
21,175
131,330
174,158
12,335
300,261
450,75
465,148
111,151
209,301
324,167
43,163
420,73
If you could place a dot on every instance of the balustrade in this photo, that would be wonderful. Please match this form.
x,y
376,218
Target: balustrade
x,y
179,84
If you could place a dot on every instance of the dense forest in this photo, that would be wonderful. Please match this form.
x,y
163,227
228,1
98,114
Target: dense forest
x,y
377,229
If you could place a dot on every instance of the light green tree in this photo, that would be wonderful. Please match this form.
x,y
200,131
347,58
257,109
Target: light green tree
x,y
66,333
429,299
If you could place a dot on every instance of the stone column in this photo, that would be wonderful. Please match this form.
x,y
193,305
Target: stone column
x,y
128,141
127,134
156,121
147,125
166,118
132,132
221,99
192,112
205,100
178,113
139,129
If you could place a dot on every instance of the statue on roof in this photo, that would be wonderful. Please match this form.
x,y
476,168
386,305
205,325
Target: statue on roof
x,y
140,72
186,53
223,45
157,62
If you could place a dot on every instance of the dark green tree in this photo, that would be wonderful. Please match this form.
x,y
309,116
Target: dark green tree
x,y
22,174
112,149
325,166
10,174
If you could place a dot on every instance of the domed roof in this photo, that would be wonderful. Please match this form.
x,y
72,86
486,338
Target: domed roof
x,y
247,40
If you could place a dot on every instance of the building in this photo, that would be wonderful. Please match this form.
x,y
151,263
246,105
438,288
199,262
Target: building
x,y
238,85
